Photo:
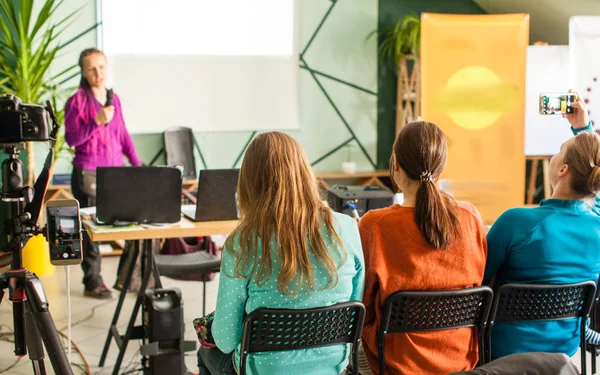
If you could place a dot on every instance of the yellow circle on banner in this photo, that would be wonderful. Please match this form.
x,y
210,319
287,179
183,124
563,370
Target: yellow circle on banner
x,y
475,97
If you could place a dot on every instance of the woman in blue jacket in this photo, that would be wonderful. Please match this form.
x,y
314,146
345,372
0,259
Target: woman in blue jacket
x,y
556,243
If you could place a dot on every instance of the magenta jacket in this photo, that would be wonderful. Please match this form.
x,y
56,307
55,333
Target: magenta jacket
x,y
97,145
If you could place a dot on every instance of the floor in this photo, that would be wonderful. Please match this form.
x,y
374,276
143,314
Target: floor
x,y
91,319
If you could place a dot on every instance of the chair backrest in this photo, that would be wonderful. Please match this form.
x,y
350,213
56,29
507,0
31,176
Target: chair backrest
x,y
418,311
414,311
179,150
270,330
534,302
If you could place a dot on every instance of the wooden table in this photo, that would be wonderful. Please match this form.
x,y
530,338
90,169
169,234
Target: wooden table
x,y
358,178
142,237
58,191
185,228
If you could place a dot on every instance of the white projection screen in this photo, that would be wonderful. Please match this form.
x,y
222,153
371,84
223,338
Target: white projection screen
x,y
226,65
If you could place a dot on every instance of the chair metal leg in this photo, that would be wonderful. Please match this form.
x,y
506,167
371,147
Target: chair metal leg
x,y
593,347
583,348
488,344
204,297
382,354
593,358
243,357
355,357
482,346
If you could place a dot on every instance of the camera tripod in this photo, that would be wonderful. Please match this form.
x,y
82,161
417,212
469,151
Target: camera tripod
x,y
33,323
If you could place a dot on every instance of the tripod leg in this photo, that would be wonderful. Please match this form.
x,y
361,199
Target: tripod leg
x,y
34,343
39,309
18,324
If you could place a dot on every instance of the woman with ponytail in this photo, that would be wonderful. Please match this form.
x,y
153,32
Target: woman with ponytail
x,y
94,125
555,243
430,242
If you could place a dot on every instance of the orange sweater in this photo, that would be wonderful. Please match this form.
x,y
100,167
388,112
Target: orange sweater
x,y
397,257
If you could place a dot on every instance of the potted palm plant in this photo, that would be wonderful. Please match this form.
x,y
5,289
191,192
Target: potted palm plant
x,y
399,47
402,40
29,44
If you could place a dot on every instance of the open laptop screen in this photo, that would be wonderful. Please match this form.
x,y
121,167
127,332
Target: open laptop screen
x,y
138,194
216,195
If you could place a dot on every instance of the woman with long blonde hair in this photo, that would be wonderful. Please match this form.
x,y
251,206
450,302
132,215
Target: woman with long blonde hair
x,y
289,251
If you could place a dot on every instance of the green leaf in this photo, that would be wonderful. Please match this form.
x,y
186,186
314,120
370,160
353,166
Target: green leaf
x,y
84,32
402,39
66,71
24,16
28,51
42,18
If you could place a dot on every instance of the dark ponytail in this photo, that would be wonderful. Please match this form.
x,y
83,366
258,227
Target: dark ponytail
x,y
421,151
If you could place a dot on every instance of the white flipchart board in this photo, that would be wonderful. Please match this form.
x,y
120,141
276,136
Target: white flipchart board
x,y
584,45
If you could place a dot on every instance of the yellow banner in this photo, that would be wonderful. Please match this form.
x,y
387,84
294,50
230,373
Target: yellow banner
x,y
473,87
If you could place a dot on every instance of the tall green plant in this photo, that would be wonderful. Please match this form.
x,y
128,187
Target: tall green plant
x,y
57,99
28,46
402,39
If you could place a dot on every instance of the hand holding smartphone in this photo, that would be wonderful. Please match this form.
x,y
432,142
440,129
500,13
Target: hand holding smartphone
x,y
64,232
557,103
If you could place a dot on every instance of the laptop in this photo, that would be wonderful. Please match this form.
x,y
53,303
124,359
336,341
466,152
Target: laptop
x,y
138,195
216,199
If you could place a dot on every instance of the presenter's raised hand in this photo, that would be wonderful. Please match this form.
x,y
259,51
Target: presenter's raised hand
x,y
579,118
105,115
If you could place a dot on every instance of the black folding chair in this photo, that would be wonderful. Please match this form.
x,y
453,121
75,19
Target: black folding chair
x,y
195,263
594,349
419,311
270,330
179,150
535,302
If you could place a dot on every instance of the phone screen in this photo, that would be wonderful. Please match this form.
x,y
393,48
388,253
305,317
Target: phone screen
x,y
556,104
64,234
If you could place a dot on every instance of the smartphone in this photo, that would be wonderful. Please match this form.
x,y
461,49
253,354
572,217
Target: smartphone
x,y
64,232
557,104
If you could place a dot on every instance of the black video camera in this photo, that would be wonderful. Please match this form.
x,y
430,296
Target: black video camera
x,y
22,122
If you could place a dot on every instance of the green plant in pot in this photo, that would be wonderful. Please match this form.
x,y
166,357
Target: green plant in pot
x,y
403,39
61,147
29,44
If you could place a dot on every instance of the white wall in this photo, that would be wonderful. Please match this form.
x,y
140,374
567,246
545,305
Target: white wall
x,y
85,18
340,50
